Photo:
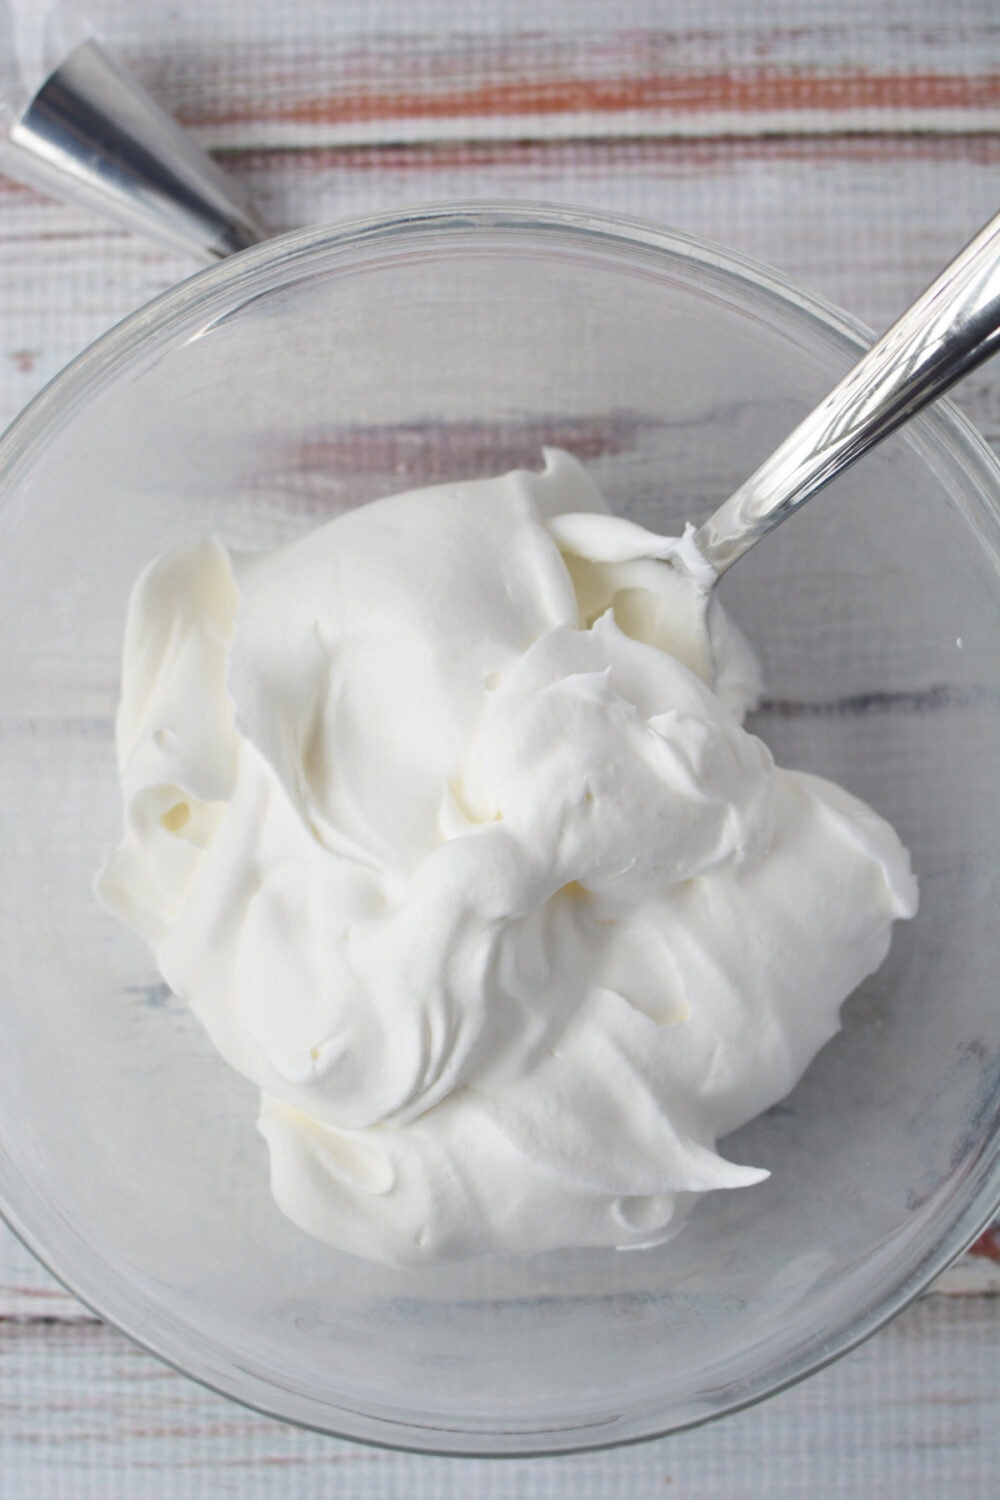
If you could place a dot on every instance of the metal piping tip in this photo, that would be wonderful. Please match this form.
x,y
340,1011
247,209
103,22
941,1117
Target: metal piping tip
x,y
93,136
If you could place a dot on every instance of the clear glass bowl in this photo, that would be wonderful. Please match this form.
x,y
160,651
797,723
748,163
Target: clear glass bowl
x,y
305,377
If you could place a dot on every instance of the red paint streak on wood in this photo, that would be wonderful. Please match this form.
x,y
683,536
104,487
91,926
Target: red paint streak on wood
x,y
644,153
451,449
988,1244
746,93
13,189
55,1293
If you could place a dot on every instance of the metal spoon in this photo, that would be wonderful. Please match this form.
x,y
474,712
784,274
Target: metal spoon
x,y
950,329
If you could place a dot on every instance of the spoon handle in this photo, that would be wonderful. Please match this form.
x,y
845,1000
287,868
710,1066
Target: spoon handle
x,y
949,330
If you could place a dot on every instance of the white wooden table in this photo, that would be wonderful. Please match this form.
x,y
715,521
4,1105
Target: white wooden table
x,y
855,146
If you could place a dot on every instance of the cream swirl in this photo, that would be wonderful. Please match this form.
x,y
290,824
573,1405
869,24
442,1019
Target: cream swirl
x,y
434,823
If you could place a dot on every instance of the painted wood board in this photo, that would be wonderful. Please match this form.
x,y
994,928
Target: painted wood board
x,y
911,1413
445,70
855,150
848,219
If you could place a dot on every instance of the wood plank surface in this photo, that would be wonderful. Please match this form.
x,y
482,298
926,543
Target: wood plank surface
x,y
855,148
910,1414
848,219
398,71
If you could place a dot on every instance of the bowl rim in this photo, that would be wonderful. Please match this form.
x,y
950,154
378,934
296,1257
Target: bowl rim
x,y
221,289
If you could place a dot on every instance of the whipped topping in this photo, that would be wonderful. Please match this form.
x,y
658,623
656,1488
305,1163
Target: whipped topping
x,y
443,820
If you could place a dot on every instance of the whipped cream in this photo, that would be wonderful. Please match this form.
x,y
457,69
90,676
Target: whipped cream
x,y
436,823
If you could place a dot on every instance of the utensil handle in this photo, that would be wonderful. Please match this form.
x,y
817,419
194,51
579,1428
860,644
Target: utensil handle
x,y
949,330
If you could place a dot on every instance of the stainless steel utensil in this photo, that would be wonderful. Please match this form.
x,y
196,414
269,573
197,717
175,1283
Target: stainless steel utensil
x,y
92,135
950,329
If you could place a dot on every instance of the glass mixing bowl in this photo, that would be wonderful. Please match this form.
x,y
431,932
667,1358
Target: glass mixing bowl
x,y
303,378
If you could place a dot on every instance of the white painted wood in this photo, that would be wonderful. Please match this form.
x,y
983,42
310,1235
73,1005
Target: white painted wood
x,y
852,220
612,125
28,1294
855,147
910,1414
340,72
972,1276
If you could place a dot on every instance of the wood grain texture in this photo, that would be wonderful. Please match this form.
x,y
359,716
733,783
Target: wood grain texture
x,y
856,148
845,217
848,218
357,72
911,1413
